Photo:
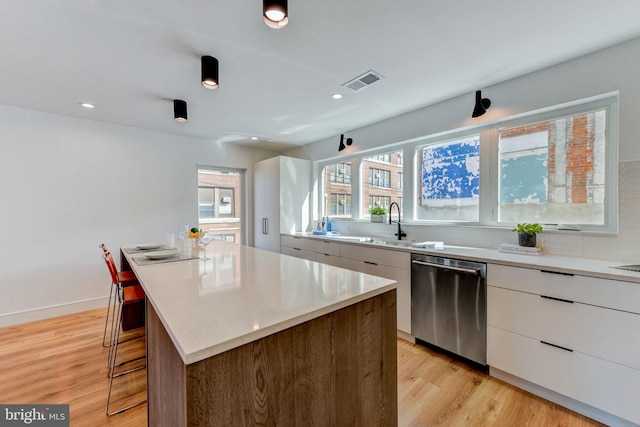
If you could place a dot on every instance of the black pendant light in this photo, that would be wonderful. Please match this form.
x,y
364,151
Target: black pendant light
x,y
209,72
482,105
342,141
180,110
275,13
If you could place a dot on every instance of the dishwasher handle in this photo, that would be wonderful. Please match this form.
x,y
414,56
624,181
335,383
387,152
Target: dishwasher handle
x,y
448,267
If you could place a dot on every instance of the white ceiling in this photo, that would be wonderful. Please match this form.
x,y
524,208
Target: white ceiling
x,y
130,57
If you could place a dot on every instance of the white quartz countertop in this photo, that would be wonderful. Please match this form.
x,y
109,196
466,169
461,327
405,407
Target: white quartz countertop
x,y
563,264
243,294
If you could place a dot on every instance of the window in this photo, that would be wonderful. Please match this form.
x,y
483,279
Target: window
x,y
219,203
339,173
386,158
555,166
449,187
380,185
554,171
379,178
337,187
339,205
383,201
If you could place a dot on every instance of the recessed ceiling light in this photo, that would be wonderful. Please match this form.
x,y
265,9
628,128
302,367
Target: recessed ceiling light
x,y
336,96
87,105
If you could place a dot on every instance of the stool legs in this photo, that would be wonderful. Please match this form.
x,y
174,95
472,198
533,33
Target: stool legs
x,y
112,359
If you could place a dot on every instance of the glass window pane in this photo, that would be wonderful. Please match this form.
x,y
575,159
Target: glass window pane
x,y
380,183
554,172
337,187
450,180
219,203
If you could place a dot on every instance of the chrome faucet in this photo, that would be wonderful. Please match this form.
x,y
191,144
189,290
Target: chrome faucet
x,y
400,233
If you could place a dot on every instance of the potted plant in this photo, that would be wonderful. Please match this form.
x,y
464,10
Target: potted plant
x,y
527,233
378,214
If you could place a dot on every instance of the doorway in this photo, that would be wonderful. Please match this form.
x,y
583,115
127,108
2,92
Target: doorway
x,y
220,207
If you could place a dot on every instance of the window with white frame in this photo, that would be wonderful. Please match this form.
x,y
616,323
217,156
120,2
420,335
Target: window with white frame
x,y
380,184
555,166
554,171
449,180
337,189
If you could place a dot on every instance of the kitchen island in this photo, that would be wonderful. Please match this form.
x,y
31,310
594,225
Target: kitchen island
x,y
252,337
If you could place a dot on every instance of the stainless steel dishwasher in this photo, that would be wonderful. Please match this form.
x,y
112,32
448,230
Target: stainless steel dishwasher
x,y
449,305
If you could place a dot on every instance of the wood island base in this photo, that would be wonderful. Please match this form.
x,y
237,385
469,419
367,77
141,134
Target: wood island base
x,y
339,369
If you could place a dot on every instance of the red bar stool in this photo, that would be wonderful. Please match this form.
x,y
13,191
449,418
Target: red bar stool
x,y
126,278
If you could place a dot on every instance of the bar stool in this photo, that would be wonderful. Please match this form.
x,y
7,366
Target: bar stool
x,y
126,278
124,295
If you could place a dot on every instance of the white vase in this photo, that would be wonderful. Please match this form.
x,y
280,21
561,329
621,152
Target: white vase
x,y
378,218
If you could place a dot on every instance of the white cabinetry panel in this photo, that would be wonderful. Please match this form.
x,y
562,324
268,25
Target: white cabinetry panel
x,y
574,335
602,384
604,333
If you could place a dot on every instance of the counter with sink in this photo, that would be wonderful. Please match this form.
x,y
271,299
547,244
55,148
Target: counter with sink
x,y
564,328
561,264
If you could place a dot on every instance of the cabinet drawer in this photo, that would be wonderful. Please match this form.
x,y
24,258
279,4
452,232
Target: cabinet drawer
x,y
605,385
377,256
298,253
296,242
326,247
590,290
609,334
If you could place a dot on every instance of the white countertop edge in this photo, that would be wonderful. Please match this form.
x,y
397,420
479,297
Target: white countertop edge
x,y
199,355
563,264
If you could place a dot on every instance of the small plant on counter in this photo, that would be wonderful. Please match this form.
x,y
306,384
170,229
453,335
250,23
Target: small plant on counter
x,y
377,210
378,214
527,233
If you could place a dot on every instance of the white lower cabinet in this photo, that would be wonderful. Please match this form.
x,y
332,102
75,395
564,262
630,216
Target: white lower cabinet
x,y
540,331
390,264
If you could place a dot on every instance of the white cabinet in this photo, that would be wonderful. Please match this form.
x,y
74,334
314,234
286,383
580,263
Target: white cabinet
x,y
575,335
390,264
281,187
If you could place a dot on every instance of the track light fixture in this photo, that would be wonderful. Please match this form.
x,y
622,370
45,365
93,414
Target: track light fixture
x,y
275,13
180,110
209,72
349,141
482,105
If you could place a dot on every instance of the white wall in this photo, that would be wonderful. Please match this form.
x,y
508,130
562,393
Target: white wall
x,y
606,71
69,184
609,70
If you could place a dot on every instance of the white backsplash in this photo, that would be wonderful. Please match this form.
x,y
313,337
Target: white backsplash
x,y
625,247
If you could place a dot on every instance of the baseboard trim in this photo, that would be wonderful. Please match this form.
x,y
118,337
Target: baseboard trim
x,y
562,400
407,337
41,313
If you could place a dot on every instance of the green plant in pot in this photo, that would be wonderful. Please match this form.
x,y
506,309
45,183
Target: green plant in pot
x,y
527,233
378,214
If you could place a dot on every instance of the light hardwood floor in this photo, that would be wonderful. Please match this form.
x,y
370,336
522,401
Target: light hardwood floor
x,y
62,360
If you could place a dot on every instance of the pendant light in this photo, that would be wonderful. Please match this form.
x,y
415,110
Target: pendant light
x,y
275,13
482,105
180,110
209,72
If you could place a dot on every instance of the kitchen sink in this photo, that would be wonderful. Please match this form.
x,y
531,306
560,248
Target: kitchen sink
x,y
630,267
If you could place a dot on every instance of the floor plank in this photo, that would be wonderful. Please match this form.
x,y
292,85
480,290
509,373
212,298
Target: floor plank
x,y
61,360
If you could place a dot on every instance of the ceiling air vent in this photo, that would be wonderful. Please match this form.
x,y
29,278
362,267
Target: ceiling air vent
x,y
363,81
